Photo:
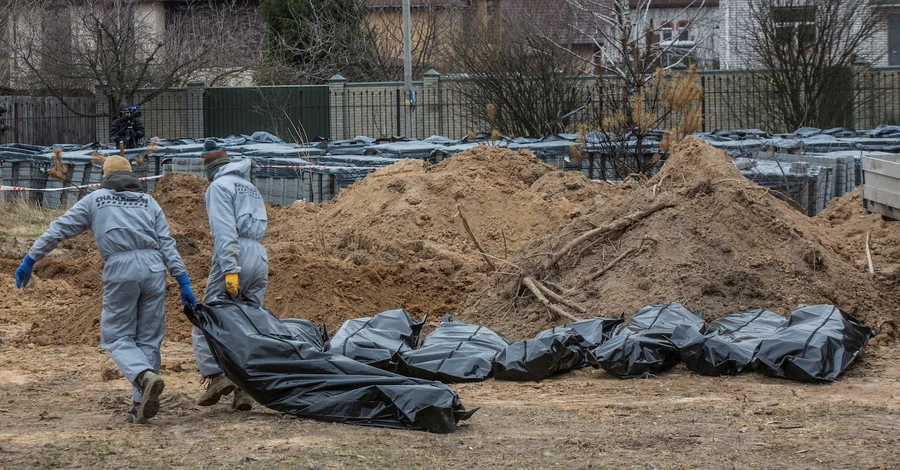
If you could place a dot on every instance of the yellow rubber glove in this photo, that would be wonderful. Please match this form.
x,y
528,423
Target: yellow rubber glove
x,y
232,285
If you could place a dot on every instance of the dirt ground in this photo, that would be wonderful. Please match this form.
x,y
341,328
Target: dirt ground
x,y
55,411
396,240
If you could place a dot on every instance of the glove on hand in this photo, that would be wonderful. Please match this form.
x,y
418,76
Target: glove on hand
x,y
187,295
232,285
23,273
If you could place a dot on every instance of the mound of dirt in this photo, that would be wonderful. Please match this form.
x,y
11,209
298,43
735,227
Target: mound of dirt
x,y
40,301
725,245
395,240
847,221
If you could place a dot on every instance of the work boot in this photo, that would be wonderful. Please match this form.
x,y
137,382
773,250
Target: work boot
x,y
217,386
242,401
134,415
152,387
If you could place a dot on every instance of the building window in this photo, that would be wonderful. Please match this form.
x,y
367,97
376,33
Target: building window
x,y
666,32
684,31
795,26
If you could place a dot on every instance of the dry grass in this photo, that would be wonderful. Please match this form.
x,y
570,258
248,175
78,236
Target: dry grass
x,y
21,219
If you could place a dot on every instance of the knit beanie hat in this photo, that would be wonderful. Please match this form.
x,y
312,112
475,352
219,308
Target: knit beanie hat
x,y
115,163
213,155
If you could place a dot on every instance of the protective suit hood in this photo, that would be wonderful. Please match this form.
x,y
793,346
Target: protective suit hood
x,y
122,182
240,168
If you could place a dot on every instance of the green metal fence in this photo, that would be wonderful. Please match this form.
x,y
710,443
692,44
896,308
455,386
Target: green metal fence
x,y
294,113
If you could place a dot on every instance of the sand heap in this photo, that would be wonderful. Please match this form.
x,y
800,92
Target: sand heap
x,y
725,246
388,241
847,221
394,240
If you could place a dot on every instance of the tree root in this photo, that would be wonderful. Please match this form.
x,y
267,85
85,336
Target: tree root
x,y
869,255
616,226
658,185
625,254
559,299
532,285
487,259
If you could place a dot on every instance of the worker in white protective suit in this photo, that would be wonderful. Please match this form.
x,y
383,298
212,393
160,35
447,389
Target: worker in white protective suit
x,y
240,265
133,238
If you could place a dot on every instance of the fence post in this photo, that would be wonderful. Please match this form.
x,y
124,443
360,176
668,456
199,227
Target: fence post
x,y
102,121
858,68
336,86
703,119
430,103
196,128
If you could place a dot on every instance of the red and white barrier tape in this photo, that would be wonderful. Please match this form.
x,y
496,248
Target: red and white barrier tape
x,y
67,188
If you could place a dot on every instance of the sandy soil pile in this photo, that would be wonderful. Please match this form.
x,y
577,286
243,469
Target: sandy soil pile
x,y
726,246
848,222
393,240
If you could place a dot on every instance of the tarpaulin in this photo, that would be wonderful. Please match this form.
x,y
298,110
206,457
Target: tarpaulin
x,y
454,352
552,351
729,344
377,340
260,354
817,344
641,345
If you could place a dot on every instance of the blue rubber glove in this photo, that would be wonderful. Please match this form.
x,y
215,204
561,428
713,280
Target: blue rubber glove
x,y
187,295
23,273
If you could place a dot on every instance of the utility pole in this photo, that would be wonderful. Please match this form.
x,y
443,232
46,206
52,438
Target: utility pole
x,y
407,68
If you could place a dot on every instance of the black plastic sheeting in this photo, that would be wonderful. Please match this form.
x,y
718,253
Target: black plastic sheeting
x,y
642,345
539,358
553,351
307,331
454,352
378,340
592,332
262,356
729,345
817,344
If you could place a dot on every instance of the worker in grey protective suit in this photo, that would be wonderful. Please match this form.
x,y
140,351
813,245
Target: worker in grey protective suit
x,y
133,238
240,265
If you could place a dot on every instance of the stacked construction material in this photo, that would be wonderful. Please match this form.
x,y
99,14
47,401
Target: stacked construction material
x,y
807,168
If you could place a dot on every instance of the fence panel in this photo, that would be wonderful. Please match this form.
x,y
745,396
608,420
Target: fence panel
x,y
45,120
877,97
166,115
294,113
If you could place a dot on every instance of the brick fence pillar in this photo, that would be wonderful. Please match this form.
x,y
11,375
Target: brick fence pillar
x,y
196,127
430,104
336,86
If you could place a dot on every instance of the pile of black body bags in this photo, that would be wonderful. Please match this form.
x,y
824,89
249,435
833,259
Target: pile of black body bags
x,y
372,371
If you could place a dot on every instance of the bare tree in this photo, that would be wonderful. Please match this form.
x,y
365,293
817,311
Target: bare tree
x,y
517,79
433,26
309,41
636,44
130,50
805,49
